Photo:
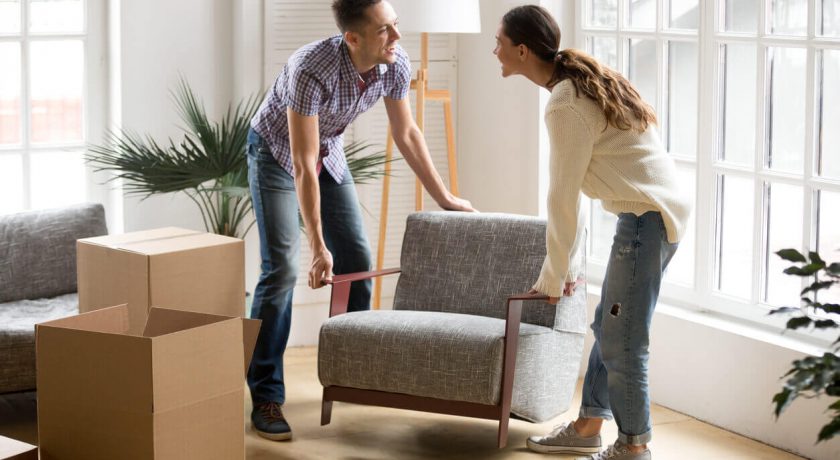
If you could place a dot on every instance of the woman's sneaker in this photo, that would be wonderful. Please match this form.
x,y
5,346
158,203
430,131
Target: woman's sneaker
x,y
563,439
619,451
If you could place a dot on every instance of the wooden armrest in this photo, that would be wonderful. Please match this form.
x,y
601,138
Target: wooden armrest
x,y
359,276
341,287
528,296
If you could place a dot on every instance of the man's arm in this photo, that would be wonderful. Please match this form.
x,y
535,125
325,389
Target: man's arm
x,y
412,145
304,141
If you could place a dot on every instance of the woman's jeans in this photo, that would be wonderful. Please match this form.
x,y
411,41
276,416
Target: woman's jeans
x,y
616,382
276,208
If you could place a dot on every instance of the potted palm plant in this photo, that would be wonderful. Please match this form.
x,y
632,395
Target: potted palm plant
x,y
208,164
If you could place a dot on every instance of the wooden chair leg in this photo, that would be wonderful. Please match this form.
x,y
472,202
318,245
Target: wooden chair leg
x,y
326,412
503,430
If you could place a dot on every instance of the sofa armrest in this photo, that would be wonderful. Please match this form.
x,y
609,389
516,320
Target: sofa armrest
x,y
341,288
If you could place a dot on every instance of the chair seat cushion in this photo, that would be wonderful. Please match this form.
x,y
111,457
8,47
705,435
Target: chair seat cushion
x,y
448,356
17,336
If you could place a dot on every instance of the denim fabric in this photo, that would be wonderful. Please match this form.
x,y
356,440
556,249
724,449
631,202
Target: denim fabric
x,y
616,382
276,209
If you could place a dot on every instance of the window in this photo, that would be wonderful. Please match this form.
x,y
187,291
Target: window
x,y
748,101
49,60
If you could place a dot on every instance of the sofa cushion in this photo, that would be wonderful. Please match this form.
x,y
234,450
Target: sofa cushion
x,y
501,257
17,337
38,250
449,356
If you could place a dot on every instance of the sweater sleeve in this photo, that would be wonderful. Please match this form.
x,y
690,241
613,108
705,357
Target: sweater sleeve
x,y
571,151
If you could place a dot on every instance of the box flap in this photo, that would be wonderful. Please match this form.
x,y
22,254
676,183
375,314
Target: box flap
x,y
179,243
113,241
197,364
250,332
164,321
112,320
11,449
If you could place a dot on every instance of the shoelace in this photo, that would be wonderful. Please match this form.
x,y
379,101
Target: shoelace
x,y
611,451
561,428
272,411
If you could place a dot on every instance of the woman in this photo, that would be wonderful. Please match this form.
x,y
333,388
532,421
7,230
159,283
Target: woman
x,y
603,143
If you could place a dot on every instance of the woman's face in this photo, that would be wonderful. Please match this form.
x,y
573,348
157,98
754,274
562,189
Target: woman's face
x,y
507,53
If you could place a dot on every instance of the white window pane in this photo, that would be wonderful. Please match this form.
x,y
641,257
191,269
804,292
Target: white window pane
x,y
787,109
56,102
602,13
829,141
684,14
784,230
58,179
681,268
11,183
741,16
642,68
605,50
10,106
830,21
642,14
682,97
738,92
736,203
56,16
602,232
9,16
828,241
789,17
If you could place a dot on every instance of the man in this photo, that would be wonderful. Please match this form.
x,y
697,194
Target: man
x,y
296,158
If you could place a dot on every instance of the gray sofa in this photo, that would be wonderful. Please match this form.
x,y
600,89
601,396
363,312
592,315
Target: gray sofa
x,y
443,348
38,281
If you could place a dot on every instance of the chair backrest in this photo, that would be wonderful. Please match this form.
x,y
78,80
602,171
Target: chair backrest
x,y
471,263
38,250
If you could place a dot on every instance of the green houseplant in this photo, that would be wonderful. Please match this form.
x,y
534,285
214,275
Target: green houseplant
x,y
208,164
813,376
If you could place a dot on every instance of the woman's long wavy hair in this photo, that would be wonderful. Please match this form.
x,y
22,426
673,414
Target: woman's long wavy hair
x,y
533,26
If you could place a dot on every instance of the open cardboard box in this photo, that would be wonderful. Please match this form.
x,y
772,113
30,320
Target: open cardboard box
x,y
16,450
173,392
167,267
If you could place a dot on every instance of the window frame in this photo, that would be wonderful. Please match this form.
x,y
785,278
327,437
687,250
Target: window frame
x,y
94,113
704,296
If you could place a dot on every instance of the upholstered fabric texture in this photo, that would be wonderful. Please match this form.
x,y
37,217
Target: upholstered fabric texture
x,y
471,263
38,250
444,338
17,336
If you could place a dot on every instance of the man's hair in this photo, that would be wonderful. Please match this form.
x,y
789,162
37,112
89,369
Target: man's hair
x,y
350,14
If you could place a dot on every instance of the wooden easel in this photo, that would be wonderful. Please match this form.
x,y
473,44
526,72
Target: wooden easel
x,y
421,85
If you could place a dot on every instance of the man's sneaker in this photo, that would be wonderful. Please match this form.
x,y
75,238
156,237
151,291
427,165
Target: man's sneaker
x,y
563,439
269,422
619,451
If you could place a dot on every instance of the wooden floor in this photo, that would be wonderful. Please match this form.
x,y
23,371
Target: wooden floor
x,y
360,432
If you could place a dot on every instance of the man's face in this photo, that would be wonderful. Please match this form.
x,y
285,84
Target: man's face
x,y
378,37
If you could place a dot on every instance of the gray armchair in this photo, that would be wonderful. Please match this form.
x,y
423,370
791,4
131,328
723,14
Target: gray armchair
x,y
464,337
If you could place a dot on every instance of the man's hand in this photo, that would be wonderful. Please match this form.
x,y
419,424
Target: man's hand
x,y
457,204
568,291
321,270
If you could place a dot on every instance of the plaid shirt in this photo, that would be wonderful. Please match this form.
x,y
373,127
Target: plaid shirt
x,y
320,79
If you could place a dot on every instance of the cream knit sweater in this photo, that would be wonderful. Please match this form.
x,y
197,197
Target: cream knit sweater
x,y
627,170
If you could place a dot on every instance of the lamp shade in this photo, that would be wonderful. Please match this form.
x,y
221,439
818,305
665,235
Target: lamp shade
x,y
438,16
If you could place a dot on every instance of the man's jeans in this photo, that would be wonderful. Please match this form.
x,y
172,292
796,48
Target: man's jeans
x,y
616,382
276,209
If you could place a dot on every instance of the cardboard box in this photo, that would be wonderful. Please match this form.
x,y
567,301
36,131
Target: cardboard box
x,y
167,267
16,450
174,392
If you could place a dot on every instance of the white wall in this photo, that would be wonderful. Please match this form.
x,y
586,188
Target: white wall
x,y
160,40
